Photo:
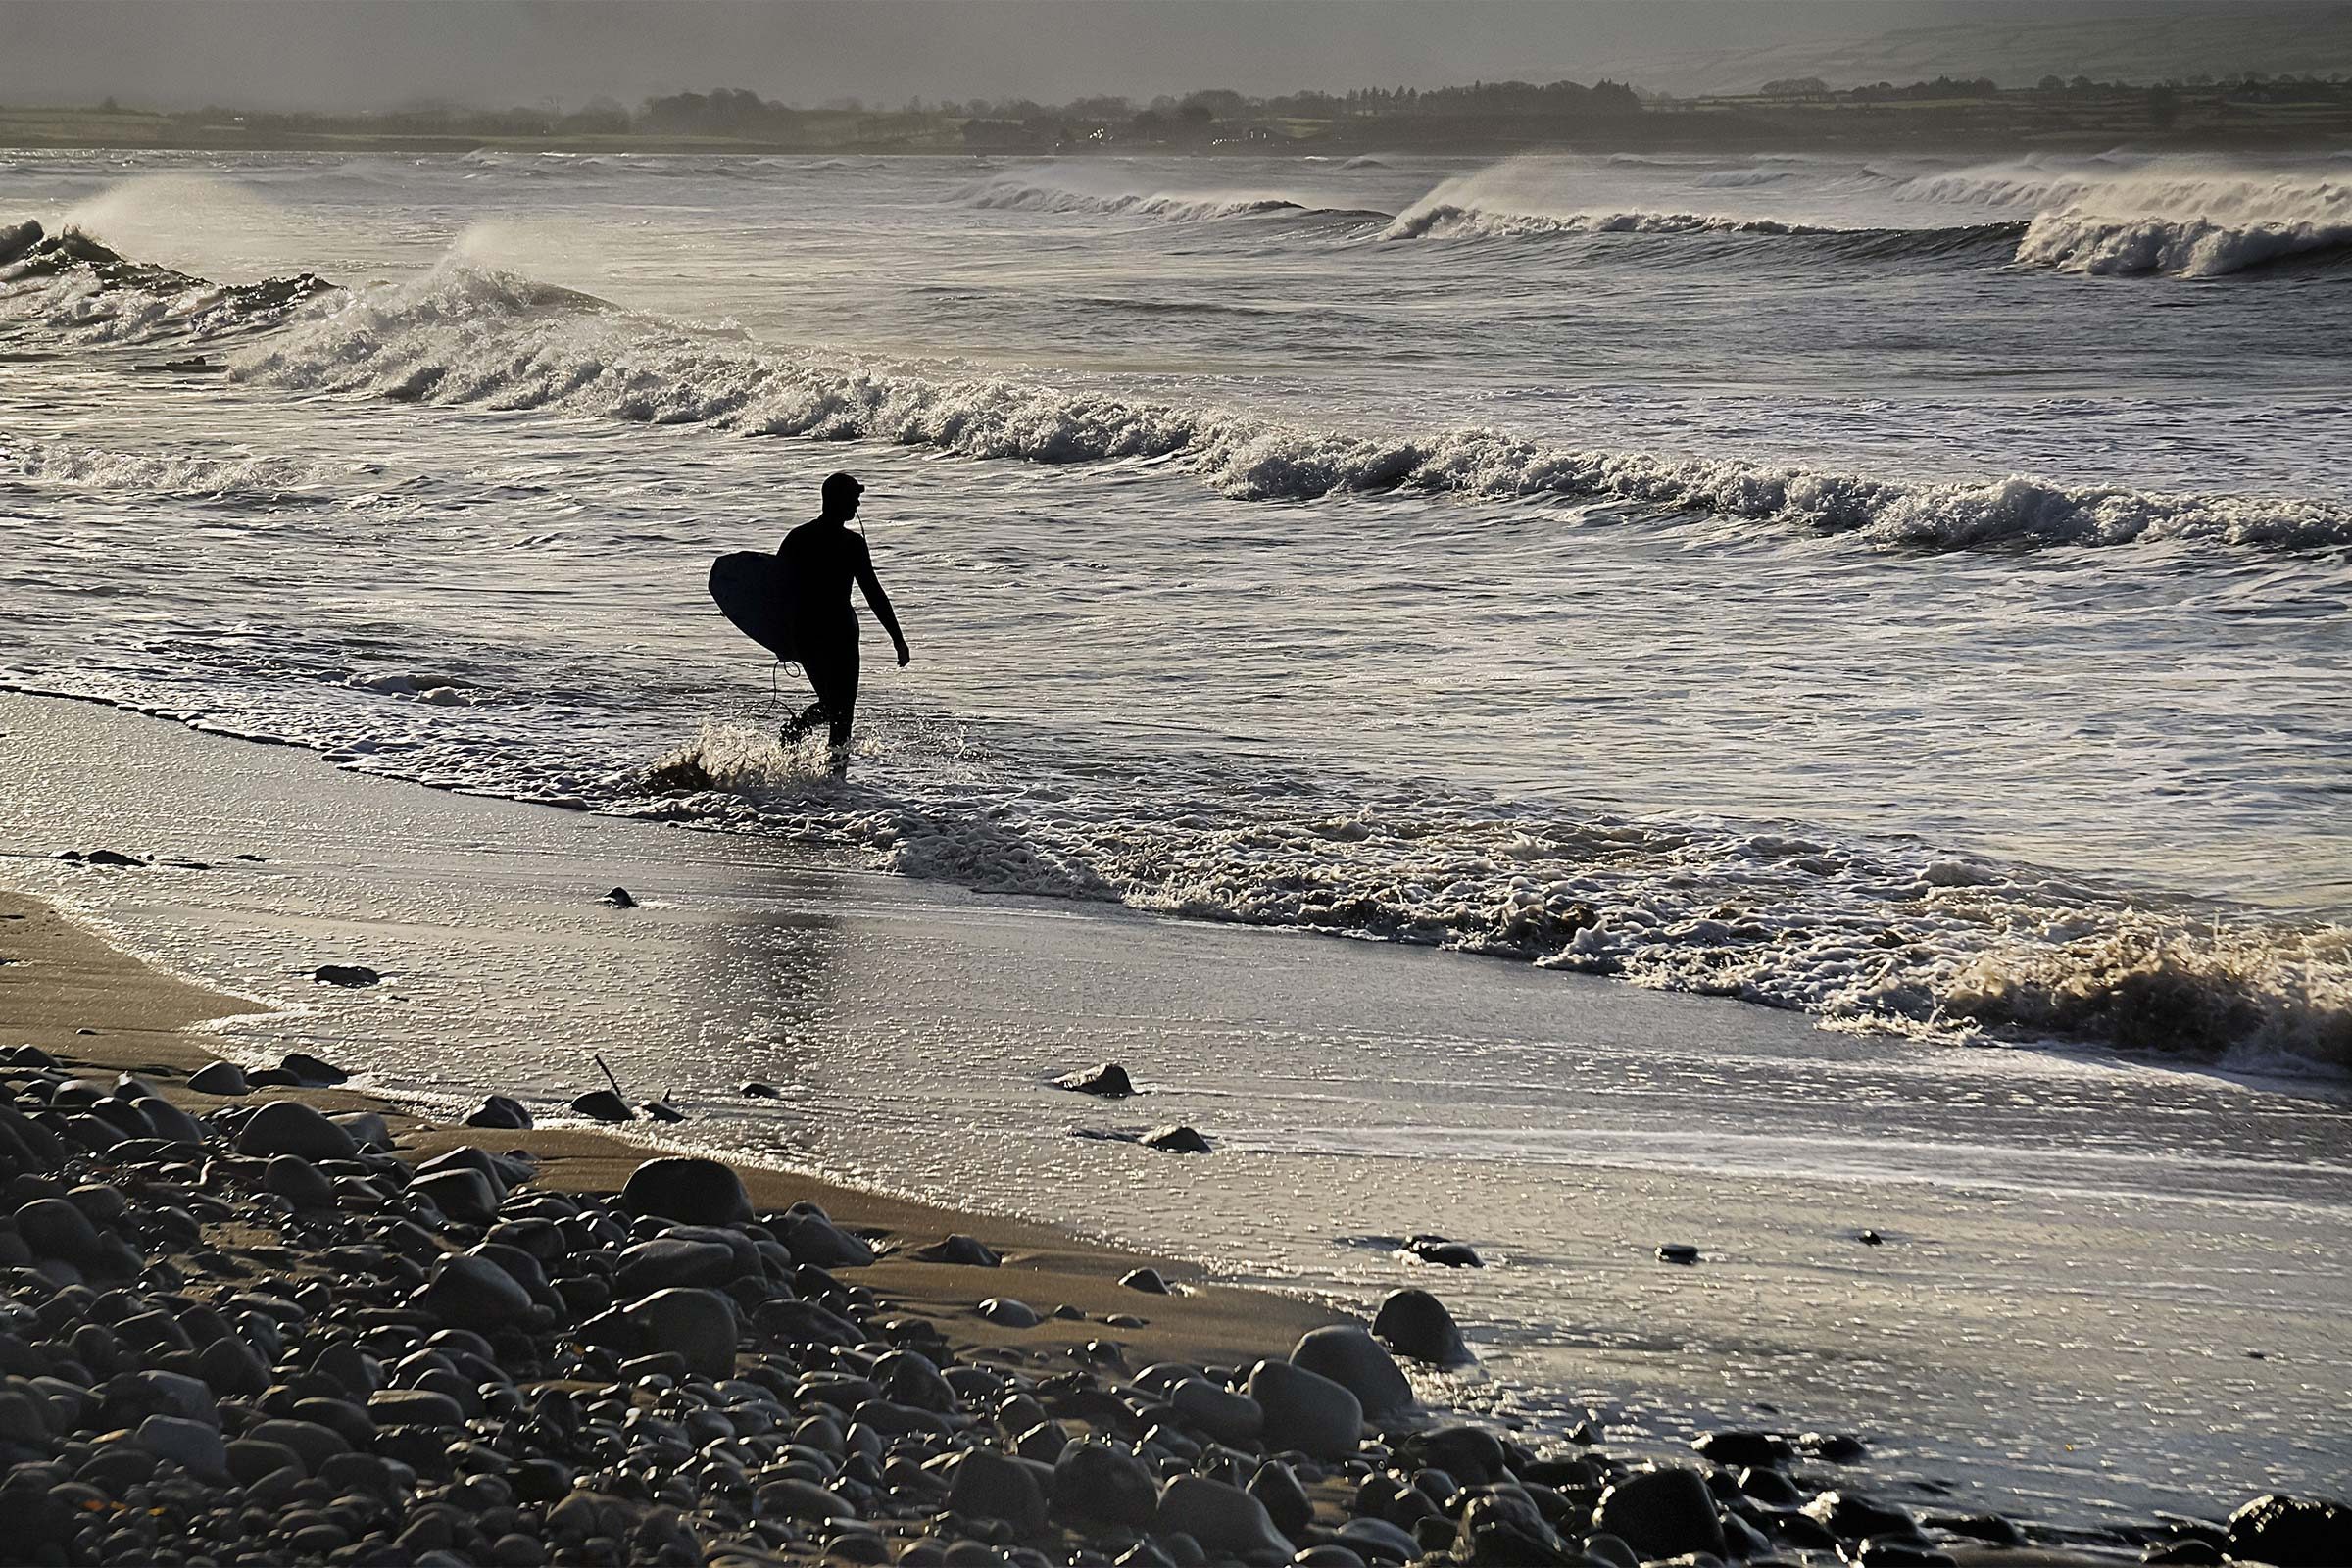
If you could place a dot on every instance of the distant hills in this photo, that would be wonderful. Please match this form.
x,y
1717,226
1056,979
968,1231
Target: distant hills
x,y
2166,42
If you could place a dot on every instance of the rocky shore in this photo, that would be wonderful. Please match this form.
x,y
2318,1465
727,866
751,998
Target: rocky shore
x,y
277,1323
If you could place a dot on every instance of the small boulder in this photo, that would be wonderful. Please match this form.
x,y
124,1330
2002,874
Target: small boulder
x,y
289,1127
1109,1080
1233,1419
1678,1253
621,898
1145,1280
299,1182
1224,1519
994,1486
1661,1513
811,1236
756,1089
473,1293
466,1196
1349,1356
502,1113
193,1446
223,1078
603,1104
2291,1532
693,1192
669,1261
1005,1312
1306,1411
699,1325
1415,1323
964,1252
1175,1139
1096,1483
1276,1488
344,974
1443,1252
313,1072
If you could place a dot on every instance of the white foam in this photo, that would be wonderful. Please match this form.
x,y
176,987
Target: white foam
x,y
466,336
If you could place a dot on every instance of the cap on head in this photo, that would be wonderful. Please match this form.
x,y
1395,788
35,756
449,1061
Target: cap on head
x,y
841,492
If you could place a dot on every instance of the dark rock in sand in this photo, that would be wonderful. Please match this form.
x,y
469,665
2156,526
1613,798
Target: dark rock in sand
x,y
473,1293
621,898
1224,1519
1870,1239
344,974
417,1407
1095,1482
1471,1455
289,1127
1005,1312
1145,1280
55,1228
1678,1253
1739,1451
994,1486
603,1104
1175,1139
500,1112
299,1182
1836,1447
466,1196
2292,1531
1306,1411
964,1251
313,1072
690,1190
1661,1513
1109,1080
111,858
1233,1419
1412,1322
1277,1490
193,1446
756,1089
1349,1356
660,1110
220,1078
1505,1528
670,1261
1851,1516
814,1238
699,1325
1449,1254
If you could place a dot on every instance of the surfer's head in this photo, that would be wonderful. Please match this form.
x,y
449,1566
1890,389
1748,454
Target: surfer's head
x,y
840,493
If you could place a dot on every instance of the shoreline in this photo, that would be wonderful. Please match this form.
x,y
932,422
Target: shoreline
x,y
72,1000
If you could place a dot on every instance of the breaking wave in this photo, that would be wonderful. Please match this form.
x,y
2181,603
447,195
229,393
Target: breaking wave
x,y
1044,194
181,474
1441,219
462,336
70,281
1894,936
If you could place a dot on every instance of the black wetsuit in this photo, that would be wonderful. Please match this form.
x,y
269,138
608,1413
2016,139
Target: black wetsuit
x,y
822,558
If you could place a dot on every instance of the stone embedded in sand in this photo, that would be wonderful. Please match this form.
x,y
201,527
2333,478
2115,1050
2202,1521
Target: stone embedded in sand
x,y
1871,1239
1415,1323
755,1090
1852,1516
1833,1447
621,898
693,1192
1306,1411
1224,1519
1145,1280
1349,1356
603,1104
313,1072
501,1112
1175,1139
812,1238
2292,1531
344,974
473,1293
1661,1513
299,1182
1472,1456
1109,1080
1095,1482
1678,1253
660,1110
466,1196
289,1127
964,1252
1233,1419
699,1325
1276,1488
1444,1252
1005,1312
220,1078
111,858
994,1486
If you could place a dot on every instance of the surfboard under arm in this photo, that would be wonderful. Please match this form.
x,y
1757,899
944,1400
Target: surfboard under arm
x,y
751,588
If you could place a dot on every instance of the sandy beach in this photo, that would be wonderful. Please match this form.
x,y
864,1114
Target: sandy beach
x,y
352,870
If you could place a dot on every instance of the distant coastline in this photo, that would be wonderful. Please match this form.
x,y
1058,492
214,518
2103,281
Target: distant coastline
x,y
2251,114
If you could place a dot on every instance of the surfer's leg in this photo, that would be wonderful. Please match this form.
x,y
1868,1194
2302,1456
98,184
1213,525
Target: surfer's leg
x,y
804,721
840,698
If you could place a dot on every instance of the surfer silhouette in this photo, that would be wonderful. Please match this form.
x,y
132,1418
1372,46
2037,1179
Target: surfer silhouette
x,y
820,559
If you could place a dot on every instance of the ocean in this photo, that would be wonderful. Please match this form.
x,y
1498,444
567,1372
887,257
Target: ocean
x,y
1907,594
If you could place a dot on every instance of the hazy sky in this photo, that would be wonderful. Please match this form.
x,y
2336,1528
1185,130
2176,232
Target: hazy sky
x,y
377,53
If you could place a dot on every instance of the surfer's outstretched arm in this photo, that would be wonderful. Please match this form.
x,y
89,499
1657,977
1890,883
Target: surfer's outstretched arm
x,y
879,602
